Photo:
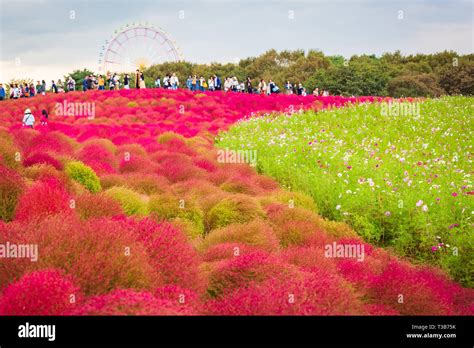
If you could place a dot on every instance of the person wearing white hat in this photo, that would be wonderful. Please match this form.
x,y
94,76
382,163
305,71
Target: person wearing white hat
x,y
28,119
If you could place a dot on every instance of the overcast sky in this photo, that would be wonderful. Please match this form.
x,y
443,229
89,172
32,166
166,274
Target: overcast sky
x,y
45,39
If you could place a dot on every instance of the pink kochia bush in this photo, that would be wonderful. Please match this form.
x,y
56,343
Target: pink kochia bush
x,y
128,302
44,292
42,158
234,247
44,198
318,293
170,253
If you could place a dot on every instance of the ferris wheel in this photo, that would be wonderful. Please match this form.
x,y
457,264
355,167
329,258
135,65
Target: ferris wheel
x,y
137,46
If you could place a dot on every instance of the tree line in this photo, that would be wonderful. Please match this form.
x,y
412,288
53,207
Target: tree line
x,y
391,74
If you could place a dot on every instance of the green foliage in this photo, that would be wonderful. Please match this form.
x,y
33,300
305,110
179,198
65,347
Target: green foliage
x,y
130,201
399,180
167,207
84,175
78,76
236,209
358,75
414,86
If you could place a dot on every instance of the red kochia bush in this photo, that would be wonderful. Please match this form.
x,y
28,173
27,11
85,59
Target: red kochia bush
x,y
187,301
94,205
240,271
44,292
318,293
50,142
96,152
42,158
128,302
102,254
227,250
170,253
46,197
424,290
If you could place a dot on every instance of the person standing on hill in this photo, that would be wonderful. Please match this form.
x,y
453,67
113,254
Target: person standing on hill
x,y
43,87
84,84
71,84
2,92
126,82
174,82
142,80
28,119
217,83
101,83
44,117
32,90
16,92
54,88
210,83
248,85
38,87
137,78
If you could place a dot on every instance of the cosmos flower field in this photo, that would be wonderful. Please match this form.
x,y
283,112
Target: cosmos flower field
x,y
133,212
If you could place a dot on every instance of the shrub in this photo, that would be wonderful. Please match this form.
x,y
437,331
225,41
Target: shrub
x,y
98,156
110,180
240,271
9,153
241,184
294,226
89,205
309,258
101,254
128,302
44,292
318,293
130,201
167,206
296,200
237,208
146,183
256,233
170,253
51,142
168,136
187,301
42,158
222,251
84,175
136,163
11,188
177,169
424,291
45,197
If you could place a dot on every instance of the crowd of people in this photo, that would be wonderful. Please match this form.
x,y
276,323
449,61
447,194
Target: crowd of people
x,y
170,81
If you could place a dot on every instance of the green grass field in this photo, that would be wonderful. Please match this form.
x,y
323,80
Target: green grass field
x,y
402,177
